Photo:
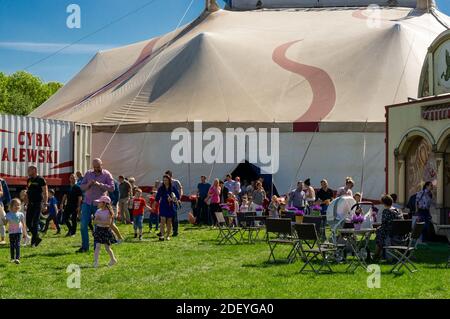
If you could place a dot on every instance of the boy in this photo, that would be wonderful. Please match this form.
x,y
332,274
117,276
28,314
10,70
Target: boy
x,y
52,212
139,204
154,211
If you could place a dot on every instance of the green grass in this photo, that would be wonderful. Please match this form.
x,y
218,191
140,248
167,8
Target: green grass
x,y
194,266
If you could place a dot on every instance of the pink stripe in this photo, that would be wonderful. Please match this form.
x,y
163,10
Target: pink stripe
x,y
323,89
145,53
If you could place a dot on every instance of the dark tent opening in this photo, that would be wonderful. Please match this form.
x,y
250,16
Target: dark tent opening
x,y
249,172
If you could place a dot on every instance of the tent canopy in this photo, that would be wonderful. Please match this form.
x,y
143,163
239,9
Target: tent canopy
x,y
334,65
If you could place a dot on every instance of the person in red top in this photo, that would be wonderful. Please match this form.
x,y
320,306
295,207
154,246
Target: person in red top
x,y
233,205
154,211
139,205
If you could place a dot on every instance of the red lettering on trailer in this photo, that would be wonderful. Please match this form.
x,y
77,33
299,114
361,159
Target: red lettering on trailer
x,y
41,156
20,138
38,139
14,156
5,156
30,138
49,157
32,155
22,153
47,140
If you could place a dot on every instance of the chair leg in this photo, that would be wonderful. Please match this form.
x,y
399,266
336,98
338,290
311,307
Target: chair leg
x,y
309,262
292,254
325,263
399,257
272,248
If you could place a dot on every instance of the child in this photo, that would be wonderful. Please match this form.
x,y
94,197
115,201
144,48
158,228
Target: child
x,y
52,212
17,228
154,211
2,225
23,208
233,207
104,218
273,207
245,204
139,204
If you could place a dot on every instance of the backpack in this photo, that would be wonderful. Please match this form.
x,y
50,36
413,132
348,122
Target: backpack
x,y
412,204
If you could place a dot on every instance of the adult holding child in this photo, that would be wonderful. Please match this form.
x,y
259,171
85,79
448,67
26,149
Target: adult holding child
x,y
168,198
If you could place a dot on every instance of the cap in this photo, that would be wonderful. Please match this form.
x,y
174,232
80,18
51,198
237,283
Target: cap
x,y
103,199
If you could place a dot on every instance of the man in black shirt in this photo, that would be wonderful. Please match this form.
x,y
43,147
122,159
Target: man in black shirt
x,y
324,195
71,204
37,193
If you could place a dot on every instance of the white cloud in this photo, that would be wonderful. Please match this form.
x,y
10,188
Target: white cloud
x,y
41,47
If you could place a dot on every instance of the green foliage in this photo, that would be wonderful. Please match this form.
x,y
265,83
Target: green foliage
x,y
22,92
192,265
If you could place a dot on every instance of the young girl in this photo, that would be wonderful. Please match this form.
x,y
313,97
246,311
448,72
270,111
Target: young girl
x,y
273,207
17,229
103,220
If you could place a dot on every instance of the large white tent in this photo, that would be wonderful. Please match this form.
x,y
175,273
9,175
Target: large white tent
x,y
326,71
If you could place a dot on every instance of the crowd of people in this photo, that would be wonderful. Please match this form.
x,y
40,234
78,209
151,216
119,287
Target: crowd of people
x,y
99,201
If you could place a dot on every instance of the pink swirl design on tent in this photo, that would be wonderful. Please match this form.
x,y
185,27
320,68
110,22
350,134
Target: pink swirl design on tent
x,y
145,53
324,91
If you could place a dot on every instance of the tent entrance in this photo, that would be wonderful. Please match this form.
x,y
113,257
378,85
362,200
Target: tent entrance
x,y
250,172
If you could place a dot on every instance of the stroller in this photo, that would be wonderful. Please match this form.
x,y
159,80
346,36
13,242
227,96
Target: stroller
x,y
339,214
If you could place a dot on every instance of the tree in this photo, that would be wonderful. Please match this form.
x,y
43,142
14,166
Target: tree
x,y
22,92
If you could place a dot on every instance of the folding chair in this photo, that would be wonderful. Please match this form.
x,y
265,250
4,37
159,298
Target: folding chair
x,y
307,235
316,220
226,233
247,222
283,228
403,253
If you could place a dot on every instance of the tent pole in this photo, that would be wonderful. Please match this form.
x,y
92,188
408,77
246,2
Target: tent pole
x,y
363,160
304,155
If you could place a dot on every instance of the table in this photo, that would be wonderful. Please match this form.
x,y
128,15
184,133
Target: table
x,y
359,247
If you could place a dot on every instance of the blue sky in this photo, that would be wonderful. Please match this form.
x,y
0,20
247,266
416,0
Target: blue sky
x,y
31,30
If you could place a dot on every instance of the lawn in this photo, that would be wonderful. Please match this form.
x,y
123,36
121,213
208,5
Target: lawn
x,y
194,266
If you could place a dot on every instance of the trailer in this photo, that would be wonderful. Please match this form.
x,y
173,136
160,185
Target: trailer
x,y
56,148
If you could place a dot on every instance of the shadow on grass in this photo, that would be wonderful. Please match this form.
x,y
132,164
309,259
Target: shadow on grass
x,y
197,228
49,254
267,264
